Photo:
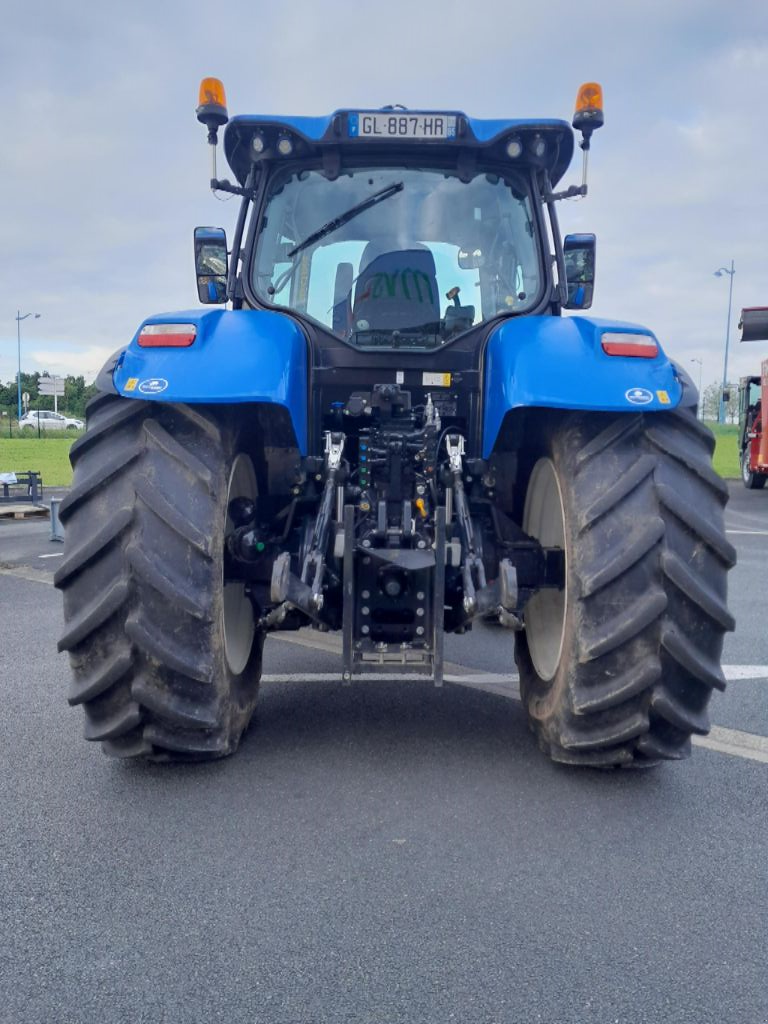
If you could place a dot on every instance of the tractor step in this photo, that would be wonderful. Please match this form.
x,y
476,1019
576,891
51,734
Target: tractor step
x,y
361,656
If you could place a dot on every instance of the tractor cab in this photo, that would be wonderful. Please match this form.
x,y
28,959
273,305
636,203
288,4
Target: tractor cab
x,y
399,229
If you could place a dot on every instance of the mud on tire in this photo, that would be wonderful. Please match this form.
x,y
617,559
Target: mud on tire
x,y
143,583
623,673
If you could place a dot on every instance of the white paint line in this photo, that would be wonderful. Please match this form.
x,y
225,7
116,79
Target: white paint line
x,y
750,533
746,745
335,677
492,681
733,672
736,743
59,554
22,572
311,638
725,741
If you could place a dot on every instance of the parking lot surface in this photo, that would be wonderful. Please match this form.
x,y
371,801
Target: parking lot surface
x,y
386,852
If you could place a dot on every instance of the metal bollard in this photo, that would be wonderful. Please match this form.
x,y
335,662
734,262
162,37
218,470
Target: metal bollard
x,y
57,530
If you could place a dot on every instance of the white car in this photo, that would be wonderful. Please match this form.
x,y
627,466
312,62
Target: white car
x,y
49,421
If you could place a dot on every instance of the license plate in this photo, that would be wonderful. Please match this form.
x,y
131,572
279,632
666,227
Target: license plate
x,y
402,125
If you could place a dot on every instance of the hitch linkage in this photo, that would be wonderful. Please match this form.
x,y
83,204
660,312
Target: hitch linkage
x,y
306,592
480,597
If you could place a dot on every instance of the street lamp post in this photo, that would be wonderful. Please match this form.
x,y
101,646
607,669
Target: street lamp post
x,y
730,273
19,318
701,401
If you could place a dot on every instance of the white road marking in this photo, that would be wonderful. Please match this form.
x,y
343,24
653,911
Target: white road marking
x,y
724,741
734,742
24,572
733,672
59,554
492,681
750,533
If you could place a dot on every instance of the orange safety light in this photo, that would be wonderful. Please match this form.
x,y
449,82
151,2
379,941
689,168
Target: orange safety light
x,y
589,97
212,104
589,108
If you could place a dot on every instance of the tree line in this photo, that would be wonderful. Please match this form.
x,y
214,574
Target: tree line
x,y
76,395
709,402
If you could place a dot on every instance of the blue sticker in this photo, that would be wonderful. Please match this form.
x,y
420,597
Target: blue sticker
x,y
638,396
153,385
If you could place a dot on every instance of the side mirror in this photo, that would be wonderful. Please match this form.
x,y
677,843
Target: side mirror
x,y
471,259
211,265
579,252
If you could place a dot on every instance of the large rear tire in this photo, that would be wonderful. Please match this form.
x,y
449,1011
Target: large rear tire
x,y
165,655
618,667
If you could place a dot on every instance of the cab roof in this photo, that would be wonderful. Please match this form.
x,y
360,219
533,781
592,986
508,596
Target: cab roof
x,y
339,133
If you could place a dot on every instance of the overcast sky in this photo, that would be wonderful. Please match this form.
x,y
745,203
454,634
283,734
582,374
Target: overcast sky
x,y
104,167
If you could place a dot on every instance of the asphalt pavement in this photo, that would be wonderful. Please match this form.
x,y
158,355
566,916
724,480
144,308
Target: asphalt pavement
x,y
384,852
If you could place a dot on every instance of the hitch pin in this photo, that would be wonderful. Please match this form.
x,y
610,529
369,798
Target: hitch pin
x,y
455,451
334,447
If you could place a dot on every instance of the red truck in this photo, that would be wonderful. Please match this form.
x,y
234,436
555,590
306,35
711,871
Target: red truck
x,y
753,405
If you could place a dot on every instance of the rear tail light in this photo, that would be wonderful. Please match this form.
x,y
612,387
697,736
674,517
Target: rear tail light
x,y
642,345
167,335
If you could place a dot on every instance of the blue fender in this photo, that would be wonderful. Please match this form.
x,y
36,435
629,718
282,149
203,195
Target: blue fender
x,y
237,356
558,363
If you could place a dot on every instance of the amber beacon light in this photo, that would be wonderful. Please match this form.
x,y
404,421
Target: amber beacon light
x,y
212,105
589,108
212,112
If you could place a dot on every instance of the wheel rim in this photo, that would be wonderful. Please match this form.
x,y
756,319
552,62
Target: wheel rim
x,y
544,519
745,473
238,619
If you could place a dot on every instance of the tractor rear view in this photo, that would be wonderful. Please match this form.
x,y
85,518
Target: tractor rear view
x,y
388,429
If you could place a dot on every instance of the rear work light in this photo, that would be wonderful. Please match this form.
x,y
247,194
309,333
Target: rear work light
x,y
642,345
167,335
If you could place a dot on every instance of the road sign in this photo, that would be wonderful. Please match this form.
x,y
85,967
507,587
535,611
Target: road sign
x,y
51,386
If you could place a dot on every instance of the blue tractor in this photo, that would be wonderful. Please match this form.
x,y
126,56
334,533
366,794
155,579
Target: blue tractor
x,y
386,427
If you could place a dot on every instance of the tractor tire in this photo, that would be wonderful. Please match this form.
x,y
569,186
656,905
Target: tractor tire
x,y
752,481
617,668
165,656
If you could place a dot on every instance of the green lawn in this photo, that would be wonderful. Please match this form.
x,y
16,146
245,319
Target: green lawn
x,y
726,453
50,455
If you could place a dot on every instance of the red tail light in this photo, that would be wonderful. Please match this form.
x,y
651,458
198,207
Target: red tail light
x,y
167,335
642,345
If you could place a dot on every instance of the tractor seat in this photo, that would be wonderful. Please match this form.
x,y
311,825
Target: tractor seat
x,y
396,290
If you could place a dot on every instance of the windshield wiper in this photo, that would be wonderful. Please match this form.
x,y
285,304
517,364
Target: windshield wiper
x,y
330,227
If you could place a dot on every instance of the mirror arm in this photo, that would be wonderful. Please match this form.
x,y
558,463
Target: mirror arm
x,y
570,193
248,193
235,190
549,198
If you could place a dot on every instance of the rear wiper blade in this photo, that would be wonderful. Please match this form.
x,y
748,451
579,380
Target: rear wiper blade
x,y
346,217
331,226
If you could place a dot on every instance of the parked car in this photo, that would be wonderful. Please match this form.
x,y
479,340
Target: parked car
x,y
49,421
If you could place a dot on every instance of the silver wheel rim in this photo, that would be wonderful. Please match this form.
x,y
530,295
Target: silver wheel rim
x,y
544,519
237,617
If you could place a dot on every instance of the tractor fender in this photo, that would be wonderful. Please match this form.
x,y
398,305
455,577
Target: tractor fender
x,y
559,363
237,356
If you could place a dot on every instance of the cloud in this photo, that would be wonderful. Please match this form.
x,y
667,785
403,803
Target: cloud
x,y
106,169
85,362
